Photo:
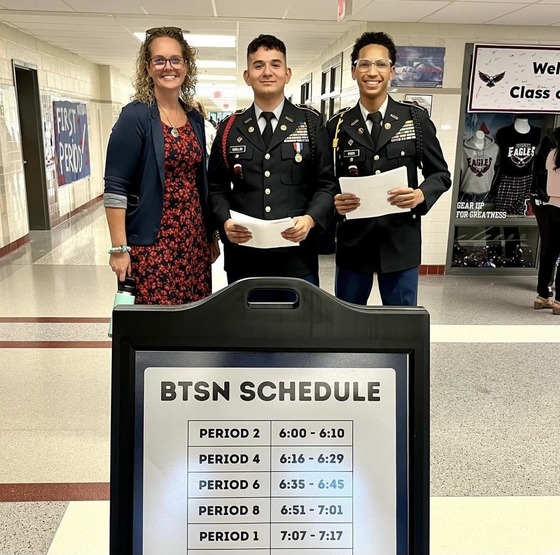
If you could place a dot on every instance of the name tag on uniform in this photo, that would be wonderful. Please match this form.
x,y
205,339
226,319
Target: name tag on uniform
x,y
351,153
237,149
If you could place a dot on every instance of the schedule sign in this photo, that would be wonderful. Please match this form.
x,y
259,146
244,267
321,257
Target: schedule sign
x,y
271,461
243,427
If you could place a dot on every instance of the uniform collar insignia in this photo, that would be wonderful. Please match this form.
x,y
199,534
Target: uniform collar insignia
x,y
289,119
247,120
355,122
394,117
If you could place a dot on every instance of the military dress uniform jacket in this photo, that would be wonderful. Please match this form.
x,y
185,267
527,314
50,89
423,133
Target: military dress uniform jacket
x,y
388,243
285,180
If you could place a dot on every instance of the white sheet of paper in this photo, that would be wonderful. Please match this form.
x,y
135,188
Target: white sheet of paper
x,y
372,191
266,233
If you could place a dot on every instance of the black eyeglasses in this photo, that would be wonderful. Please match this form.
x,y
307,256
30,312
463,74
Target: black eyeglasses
x,y
159,62
165,30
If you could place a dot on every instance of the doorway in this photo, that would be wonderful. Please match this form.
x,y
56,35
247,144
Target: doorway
x,y
29,111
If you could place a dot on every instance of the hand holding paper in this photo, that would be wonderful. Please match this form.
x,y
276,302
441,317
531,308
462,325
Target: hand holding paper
x,y
372,192
265,234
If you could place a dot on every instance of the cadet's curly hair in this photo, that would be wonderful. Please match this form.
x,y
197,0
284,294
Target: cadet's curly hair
x,y
143,83
382,39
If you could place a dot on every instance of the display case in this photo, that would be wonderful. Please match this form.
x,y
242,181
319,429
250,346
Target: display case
x,y
506,246
502,136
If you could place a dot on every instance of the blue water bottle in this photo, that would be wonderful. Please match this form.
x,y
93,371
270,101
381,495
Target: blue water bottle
x,y
126,294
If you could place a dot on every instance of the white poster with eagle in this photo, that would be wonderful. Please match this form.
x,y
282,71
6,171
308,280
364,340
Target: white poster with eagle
x,y
515,79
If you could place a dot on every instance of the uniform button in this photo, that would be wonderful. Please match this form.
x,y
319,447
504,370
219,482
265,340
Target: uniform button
x,y
267,173
377,172
351,159
413,216
402,152
267,209
267,191
376,157
267,156
237,155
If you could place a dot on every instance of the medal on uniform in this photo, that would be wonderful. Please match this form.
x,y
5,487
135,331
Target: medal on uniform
x,y
298,147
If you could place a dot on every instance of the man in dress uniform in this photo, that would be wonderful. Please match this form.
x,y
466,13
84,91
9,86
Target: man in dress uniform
x,y
377,135
272,161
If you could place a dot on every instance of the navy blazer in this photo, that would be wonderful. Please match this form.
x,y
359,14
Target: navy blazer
x,y
135,169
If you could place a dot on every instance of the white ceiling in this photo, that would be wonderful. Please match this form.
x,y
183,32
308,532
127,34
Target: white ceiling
x,y
102,30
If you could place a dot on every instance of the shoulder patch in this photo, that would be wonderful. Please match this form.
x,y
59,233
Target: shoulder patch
x,y
340,112
309,108
412,103
236,113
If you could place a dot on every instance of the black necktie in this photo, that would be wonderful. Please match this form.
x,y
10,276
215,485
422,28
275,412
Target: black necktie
x,y
375,118
267,131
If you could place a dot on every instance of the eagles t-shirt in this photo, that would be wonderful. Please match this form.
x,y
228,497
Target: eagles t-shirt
x,y
517,150
477,167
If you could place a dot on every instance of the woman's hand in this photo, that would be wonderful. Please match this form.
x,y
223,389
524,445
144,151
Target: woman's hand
x,y
120,264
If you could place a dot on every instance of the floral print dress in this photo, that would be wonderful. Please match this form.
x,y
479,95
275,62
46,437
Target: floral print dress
x,y
176,269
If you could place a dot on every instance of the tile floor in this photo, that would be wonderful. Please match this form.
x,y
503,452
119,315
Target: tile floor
x,y
495,407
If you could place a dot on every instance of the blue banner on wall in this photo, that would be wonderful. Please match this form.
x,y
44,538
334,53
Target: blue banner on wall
x,y
71,141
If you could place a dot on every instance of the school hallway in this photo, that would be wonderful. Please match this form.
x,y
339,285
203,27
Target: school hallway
x,y
495,403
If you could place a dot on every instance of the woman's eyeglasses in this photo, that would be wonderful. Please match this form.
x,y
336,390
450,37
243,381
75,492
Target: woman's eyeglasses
x,y
159,62
164,30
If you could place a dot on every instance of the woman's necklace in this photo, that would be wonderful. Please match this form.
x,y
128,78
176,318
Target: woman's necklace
x,y
174,130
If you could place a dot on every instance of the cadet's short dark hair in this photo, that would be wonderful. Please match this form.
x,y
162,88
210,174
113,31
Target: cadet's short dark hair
x,y
269,42
374,38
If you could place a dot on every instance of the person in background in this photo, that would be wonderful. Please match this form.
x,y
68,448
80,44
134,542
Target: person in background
x,y
550,250
155,193
208,126
271,161
378,135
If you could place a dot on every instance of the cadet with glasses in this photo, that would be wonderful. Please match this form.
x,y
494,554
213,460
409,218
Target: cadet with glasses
x,y
377,135
272,161
155,179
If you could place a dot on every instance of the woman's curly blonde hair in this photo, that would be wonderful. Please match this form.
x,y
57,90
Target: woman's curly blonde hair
x,y
143,83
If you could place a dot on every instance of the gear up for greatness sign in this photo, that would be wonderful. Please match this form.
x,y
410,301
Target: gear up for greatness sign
x,y
515,79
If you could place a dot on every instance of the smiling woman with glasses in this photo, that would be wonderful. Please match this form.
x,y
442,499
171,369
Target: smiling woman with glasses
x,y
155,179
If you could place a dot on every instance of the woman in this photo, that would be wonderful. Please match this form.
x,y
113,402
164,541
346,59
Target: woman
x,y
155,179
551,249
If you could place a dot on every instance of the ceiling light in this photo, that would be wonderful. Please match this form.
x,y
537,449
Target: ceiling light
x,y
224,88
205,77
206,41
215,64
217,41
